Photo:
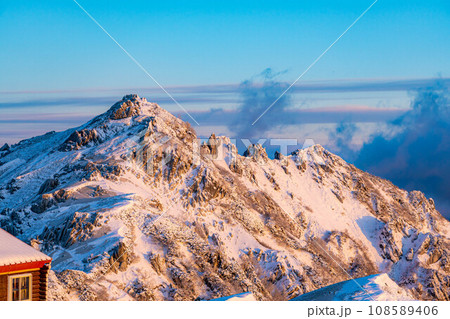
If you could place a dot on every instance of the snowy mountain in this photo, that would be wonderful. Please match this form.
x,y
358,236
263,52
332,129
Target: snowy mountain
x,y
132,206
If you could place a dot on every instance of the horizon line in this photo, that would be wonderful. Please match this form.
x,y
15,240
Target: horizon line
x,y
361,84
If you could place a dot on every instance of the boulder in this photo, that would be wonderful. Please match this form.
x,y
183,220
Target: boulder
x,y
49,185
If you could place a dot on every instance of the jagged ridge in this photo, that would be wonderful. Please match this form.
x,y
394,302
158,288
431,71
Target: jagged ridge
x,y
90,197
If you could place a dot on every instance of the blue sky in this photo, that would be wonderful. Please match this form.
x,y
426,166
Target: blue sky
x,y
52,45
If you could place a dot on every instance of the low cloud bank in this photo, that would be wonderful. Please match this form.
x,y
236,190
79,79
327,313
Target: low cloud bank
x,y
417,157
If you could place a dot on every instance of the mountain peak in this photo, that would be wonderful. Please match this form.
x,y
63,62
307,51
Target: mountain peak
x,y
130,105
133,107
130,116
132,97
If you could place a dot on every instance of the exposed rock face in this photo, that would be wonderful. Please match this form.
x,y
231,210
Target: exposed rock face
x,y
45,201
79,139
128,107
131,201
10,221
213,144
257,152
77,227
158,263
391,248
119,259
49,184
4,148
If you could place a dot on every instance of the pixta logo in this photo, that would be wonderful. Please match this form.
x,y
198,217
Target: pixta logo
x,y
219,149
150,152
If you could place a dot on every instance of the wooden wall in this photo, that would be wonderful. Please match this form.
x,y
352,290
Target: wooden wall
x,y
3,287
43,282
39,281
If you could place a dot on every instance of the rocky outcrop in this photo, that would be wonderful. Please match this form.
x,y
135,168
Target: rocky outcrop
x,y
75,228
45,201
12,186
213,144
11,221
257,153
5,148
128,107
49,185
78,139
390,244
120,258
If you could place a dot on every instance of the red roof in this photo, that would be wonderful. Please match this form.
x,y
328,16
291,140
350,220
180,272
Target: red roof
x,y
16,255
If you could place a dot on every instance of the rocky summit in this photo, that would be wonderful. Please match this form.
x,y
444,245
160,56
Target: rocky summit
x,y
132,206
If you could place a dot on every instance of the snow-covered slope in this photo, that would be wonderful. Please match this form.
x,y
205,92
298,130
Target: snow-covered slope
x,y
132,206
370,288
244,296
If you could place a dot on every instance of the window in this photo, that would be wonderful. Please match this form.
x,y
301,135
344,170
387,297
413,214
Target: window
x,y
19,287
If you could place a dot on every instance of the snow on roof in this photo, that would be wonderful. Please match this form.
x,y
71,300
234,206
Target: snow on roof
x,y
14,251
